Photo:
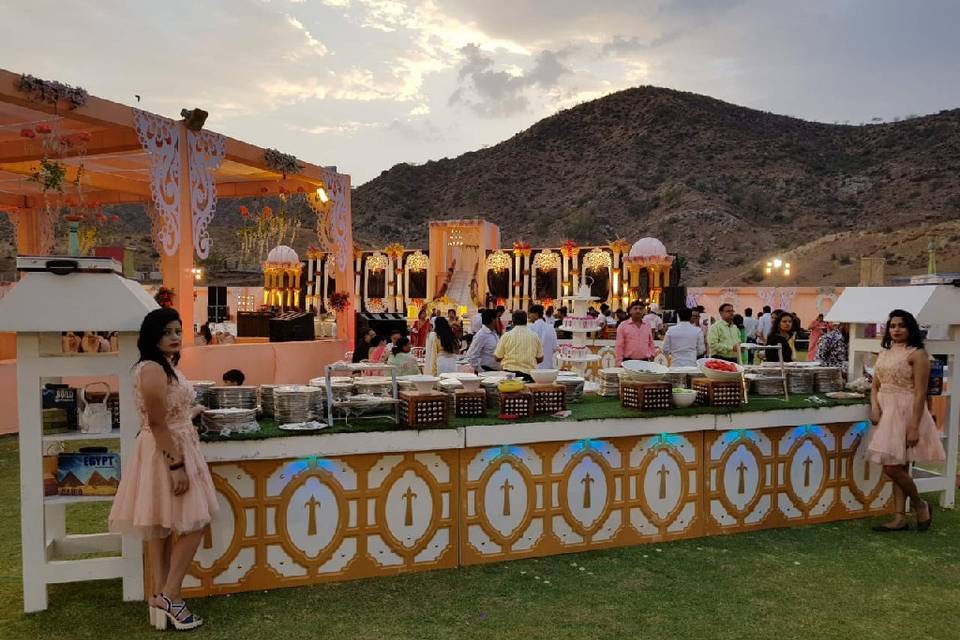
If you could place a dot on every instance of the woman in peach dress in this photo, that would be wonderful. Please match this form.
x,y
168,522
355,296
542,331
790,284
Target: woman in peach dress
x,y
903,431
166,487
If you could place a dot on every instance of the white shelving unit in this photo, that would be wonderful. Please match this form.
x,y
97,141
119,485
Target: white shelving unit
x,y
89,293
931,305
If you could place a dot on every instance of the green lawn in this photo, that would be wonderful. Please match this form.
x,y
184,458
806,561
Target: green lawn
x,y
818,582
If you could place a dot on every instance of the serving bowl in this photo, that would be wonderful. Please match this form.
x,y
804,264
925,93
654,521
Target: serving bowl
x,y
423,383
643,371
714,374
683,398
544,376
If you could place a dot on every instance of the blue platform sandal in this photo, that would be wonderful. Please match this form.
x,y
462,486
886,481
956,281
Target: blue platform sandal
x,y
175,613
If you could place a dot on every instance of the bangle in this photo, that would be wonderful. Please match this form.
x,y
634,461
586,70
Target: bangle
x,y
176,466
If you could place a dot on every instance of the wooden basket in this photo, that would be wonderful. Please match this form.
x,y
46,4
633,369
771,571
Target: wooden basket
x,y
646,396
423,409
718,393
470,404
548,398
517,403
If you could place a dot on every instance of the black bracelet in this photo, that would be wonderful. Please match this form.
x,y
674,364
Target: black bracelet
x,y
174,467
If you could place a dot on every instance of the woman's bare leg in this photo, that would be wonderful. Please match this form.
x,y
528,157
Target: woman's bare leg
x,y
180,558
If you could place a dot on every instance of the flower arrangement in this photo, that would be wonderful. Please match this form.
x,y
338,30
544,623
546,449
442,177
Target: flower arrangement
x,y
394,250
280,162
165,296
52,92
521,247
265,228
339,301
50,176
569,248
620,246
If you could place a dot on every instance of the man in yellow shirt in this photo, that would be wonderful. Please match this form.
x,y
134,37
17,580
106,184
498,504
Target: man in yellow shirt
x,y
724,336
519,350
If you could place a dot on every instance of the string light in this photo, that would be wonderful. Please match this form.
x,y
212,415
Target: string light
x,y
547,260
498,262
418,261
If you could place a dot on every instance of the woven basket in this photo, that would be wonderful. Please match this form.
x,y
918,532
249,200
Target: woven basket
x,y
800,381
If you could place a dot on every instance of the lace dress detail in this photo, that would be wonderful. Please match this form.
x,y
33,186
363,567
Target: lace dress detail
x,y
145,503
887,441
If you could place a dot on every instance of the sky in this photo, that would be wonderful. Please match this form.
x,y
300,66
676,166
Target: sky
x,y
367,84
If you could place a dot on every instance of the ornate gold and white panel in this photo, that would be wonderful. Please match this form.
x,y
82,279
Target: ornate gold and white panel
x,y
740,476
864,490
807,477
303,521
549,498
663,495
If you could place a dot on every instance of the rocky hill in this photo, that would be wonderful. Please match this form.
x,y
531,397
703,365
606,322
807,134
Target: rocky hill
x,y
720,184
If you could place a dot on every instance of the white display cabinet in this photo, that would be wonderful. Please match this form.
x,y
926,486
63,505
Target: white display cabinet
x,y
934,306
56,295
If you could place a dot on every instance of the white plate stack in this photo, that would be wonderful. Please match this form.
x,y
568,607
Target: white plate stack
x,y
610,382
200,388
573,386
297,403
232,397
266,399
227,421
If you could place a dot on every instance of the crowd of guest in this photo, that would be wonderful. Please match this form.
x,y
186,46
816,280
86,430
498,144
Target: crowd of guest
x,y
494,339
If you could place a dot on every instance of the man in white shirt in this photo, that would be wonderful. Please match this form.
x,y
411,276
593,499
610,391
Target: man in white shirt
x,y
749,325
684,341
547,334
476,322
480,353
763,326
653,321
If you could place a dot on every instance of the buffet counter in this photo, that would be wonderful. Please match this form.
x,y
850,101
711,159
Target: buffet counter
x,y
299,510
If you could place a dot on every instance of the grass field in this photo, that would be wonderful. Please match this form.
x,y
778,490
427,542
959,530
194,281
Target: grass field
x,y
820,582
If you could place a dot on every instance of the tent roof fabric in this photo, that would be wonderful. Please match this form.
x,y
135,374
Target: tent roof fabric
x,y
930,304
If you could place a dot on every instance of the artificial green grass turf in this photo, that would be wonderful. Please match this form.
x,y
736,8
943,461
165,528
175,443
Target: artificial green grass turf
x,y
591,408
835,581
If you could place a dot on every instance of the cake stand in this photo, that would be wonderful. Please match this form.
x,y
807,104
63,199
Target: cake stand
x,y
579,363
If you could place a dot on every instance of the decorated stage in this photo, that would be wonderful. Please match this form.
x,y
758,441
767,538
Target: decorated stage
x,y
306,509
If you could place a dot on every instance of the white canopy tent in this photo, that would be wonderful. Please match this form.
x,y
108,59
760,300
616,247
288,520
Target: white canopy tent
x,y
934,306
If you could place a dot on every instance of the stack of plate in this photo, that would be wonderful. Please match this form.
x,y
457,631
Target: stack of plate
x,y
266,399
232,397
228,421
200,388
573,385
800,381
374,386
489,385
766,385
827,379
450,386
609,382
297,403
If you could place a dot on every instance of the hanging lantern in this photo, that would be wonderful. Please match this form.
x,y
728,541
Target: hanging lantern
x,y
546,260
498,262
597,260
377,262
418,262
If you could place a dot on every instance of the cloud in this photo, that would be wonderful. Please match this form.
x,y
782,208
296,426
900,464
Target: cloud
x,y
491,93
311,46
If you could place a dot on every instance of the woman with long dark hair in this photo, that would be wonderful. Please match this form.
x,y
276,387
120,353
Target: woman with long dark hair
x,y
903,430
166,490
780,334
448,347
